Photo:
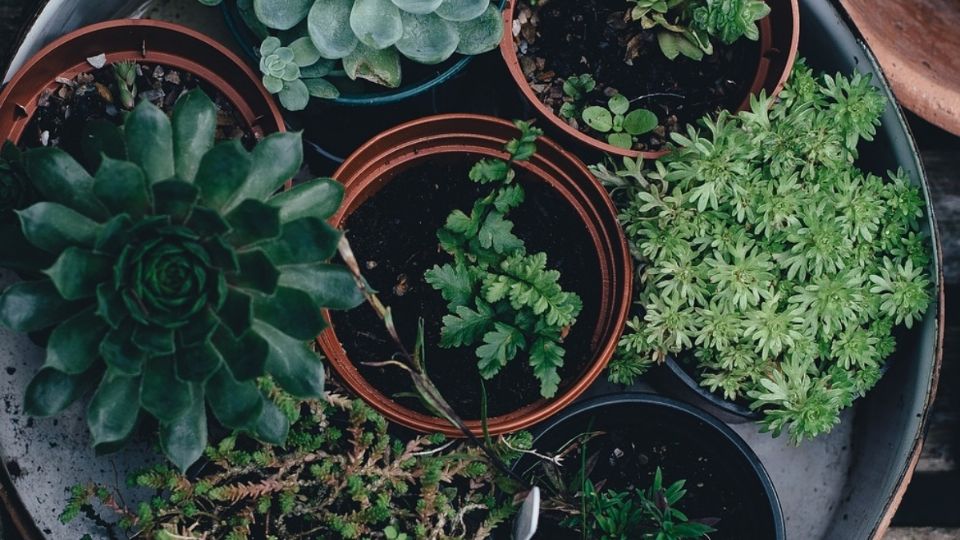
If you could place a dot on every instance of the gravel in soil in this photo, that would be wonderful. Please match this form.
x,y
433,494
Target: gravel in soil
x,y
560,39
393,235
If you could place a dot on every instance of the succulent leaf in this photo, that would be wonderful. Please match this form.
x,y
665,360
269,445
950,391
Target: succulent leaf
x,y
194,126
418,7
184,437
330,286
376,23
235,404
74,346
51,391
378,66
281,14
480,34
329,27
122,187
272,425
319,199
462,10
223,171
34,305
427,39
110,417
149,142
60,179
294,367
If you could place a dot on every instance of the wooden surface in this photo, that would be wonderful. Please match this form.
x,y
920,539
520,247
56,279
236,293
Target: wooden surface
x,y
931,508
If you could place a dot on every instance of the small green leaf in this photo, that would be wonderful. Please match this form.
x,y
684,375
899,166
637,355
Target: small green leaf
x,y
274,85
292,310
291,363
321,88
51,391
619,104
455,284
78,271
598,118
330,286
122,187
303,241
620,140
31,306
546,358
276,159
272,425
162,394
500,345
194,128
60,179
466,327
74,345
319,199
481,34
269,45
150,141
197,364
53,227
110,416
222,173
485,171
184,437
640,121
294,96
236,405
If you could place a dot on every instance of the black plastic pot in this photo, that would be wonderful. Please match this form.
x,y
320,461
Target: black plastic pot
x,y
724,477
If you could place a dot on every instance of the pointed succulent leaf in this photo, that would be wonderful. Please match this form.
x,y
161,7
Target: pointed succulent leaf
x,y
236,405
246,356
53,227
101,138
175,198
276,159
78,271
330,286
462,10
294,96
122,187
110,416
194,129
253,221
74,345
482,34
281,14
272,425
162,394
184,437
51,391
31,306
154,340
199,329
150,141
291,363
197,364
18,254
222,173
418,7
304,241
376,23
378,66
292,310
329,25
60,179
257,273
321,88
206,223
237,312
427,39
119,353
320,199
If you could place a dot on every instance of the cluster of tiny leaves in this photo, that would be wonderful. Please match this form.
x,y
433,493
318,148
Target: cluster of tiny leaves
x,y
773,257
499,295
340,476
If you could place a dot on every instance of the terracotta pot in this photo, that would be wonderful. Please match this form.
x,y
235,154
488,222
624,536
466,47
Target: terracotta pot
x,y
381,159
140,40
779,39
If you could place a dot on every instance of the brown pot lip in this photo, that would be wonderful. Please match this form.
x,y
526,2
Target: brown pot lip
x,y
376,158
509,52
216,65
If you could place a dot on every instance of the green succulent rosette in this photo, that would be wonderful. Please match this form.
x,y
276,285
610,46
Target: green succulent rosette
x,y
180,277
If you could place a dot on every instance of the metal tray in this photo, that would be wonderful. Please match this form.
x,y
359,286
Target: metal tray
x,y
846,485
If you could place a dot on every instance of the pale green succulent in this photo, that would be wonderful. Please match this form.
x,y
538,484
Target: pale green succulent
x,y
295,72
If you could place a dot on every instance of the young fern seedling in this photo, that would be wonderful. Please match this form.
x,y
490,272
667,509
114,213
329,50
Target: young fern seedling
x,y
500,297
618,122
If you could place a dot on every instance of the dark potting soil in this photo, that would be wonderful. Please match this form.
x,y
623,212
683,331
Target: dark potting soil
x,y
63,111
564,38
393,235
627,455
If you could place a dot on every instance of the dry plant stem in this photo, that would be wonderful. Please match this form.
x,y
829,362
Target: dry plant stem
x,y
414,366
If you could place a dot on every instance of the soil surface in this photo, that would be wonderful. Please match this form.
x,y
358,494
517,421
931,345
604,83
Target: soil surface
x,y
564,38
62,111
393,235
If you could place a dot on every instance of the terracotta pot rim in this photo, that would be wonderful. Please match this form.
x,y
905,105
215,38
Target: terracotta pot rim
x,y
227,71
382,155
509,52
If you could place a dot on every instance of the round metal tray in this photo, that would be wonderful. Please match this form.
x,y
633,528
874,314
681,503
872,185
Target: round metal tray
x,y
846,485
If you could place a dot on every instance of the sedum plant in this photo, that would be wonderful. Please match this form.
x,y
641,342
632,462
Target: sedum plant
x,y
369,37
341,475
775,262
180,276
500,296
688,27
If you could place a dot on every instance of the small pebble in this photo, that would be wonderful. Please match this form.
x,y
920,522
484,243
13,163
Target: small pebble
x,y
97,61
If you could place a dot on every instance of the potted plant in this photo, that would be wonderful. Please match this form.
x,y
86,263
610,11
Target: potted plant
x,y
77,72
408,192
620,77
775,271
358,52
178,278
636,465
